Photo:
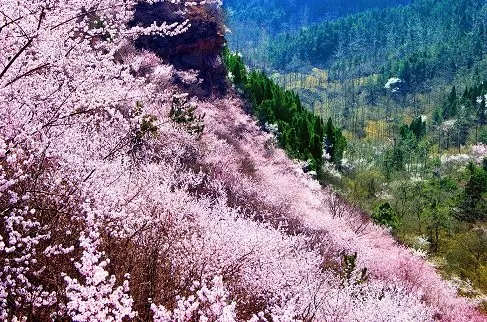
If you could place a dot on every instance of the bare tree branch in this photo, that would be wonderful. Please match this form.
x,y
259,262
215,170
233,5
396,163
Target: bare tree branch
x,y
29,42
27,73
11,20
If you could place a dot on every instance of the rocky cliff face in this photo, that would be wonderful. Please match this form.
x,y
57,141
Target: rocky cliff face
x,y
199,48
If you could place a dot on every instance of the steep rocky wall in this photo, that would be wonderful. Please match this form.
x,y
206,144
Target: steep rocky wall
x,y
199,48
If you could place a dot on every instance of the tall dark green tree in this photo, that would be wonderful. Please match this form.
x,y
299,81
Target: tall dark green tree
x,y
450,107
301,133
335,142
474,205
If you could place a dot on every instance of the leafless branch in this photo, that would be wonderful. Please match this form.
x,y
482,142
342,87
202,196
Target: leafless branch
x,y
17,55
11,20
33,70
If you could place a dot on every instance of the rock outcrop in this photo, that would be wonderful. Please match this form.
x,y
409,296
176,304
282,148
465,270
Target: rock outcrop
x,y
198,49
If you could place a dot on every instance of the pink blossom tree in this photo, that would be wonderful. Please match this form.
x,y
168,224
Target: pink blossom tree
x,y
109,210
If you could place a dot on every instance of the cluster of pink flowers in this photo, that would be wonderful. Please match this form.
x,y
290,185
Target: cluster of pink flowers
x,y
96,297
208,304
479,152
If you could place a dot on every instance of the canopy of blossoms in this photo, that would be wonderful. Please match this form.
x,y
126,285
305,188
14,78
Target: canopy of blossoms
x,y
111,211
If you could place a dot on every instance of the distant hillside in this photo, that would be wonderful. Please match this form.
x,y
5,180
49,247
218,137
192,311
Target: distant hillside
x,y
418,42
282,15
253,22
408,87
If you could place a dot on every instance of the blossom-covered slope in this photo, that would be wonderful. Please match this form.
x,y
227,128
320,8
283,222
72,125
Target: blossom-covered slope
x,y
115,206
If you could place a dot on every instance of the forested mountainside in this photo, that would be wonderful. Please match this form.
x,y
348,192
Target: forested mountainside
x,y
135,187
280,15
253,23
418,42
406,87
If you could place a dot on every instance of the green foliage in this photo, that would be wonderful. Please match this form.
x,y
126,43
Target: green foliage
x,y
185,115
450,107
418,42
418,127
148,125
364,187
483,136
393,161
384,215
438,199
468,257
410,146
301,133
481,113
349,270
437,116
279,15
236,66
474,205
335,142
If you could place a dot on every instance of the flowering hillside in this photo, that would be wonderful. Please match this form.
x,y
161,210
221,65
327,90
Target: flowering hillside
x,y
123,198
